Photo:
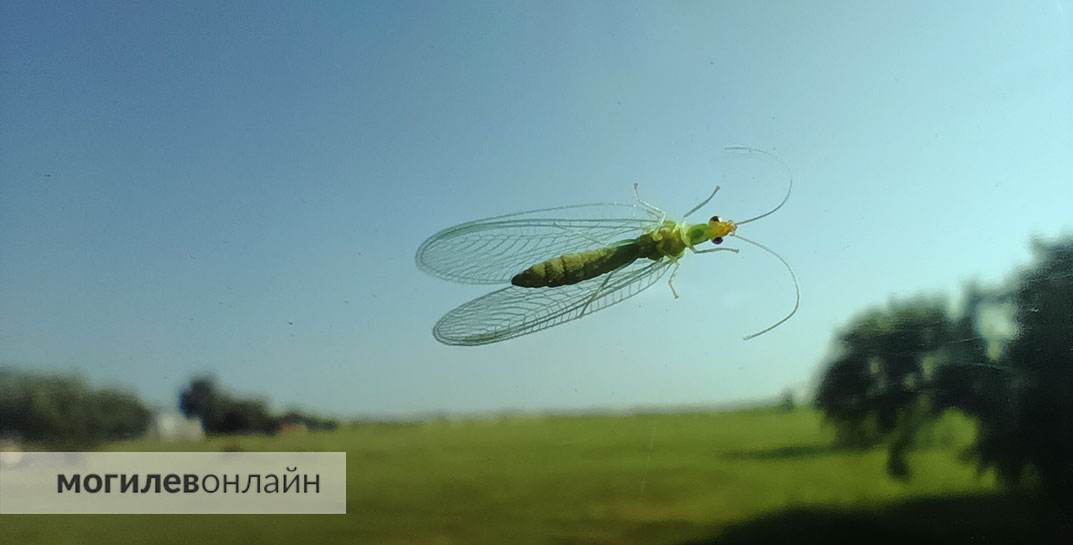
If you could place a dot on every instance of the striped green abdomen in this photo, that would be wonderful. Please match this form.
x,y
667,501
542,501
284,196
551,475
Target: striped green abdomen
x,y
574,268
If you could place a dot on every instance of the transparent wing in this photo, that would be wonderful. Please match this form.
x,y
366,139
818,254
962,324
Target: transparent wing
x,y
515,311
491,251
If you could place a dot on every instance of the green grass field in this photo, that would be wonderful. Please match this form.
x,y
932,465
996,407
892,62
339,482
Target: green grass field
x,y
732,477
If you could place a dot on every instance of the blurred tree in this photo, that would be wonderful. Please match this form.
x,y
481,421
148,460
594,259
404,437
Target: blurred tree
x,y
64,412
901,367
874,389
201,398
787,402
310,422
221,413
244,416
1026,416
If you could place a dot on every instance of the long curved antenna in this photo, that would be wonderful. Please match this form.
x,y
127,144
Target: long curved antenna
x,y
789,188
797,287
702,203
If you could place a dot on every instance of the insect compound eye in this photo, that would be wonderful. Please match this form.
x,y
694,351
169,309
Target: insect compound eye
x,y
715,219
717,240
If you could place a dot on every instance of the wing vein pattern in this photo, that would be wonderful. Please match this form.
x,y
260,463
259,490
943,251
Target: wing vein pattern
x,y
514,311
492,250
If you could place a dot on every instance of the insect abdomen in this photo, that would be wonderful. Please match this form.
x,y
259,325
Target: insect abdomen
x,y
574,268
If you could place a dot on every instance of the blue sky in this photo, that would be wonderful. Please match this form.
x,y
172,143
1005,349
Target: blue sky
x,y
240,189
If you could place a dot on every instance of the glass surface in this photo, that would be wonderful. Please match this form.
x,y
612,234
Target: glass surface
x,y
209,216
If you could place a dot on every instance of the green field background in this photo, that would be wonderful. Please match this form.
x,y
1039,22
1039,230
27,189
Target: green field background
x,y
703,477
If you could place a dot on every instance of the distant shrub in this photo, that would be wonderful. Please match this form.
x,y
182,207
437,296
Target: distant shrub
x,y
64,412
222,413
312,423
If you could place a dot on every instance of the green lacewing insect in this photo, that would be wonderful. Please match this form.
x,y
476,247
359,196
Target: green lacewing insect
x,y
567,262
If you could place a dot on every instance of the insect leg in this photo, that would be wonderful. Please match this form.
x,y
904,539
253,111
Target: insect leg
x,y
649,207
595,294
670,281
702,203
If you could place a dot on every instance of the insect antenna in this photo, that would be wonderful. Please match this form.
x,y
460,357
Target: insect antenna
x,y
702,203
789,188
797,287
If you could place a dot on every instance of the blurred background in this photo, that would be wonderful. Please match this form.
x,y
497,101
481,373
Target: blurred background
x,y
208,217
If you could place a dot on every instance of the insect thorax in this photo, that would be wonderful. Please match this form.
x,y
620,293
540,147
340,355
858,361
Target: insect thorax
x,y
670,239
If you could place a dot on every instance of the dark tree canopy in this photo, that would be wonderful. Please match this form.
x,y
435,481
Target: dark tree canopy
x,y
907,363
1028,425
221,413
200,398
65,412
881,368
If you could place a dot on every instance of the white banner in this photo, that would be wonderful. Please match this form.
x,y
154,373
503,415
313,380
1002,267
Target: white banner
x,y
172,482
